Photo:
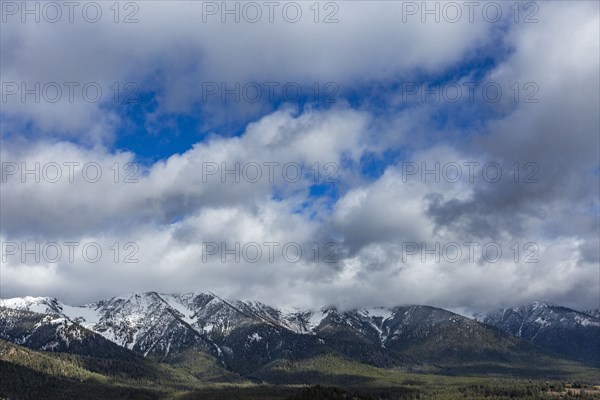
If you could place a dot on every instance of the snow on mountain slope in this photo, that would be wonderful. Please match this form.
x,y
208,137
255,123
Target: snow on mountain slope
x,y
136,321
145,323
53,333
157,325
527,321
42,305
179,303
559,329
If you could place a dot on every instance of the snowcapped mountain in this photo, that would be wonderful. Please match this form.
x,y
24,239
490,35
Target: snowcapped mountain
x,y
52,332
126,320
157,325
244,335
562,330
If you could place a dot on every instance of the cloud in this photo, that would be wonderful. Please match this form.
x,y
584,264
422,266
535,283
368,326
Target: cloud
x,y
82,191
180,202
552,141
174,57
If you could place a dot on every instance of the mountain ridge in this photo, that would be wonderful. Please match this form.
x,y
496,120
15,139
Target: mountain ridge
x,y
239,335
559,329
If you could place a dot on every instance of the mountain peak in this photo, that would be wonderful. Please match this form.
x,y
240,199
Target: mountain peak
x,y
539,304
41,305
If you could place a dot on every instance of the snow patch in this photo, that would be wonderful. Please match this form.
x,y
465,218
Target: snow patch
x,y
255,337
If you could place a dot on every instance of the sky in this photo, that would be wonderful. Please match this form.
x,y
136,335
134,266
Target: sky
x,y
348,153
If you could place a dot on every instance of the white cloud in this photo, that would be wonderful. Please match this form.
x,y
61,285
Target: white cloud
x,y
272,153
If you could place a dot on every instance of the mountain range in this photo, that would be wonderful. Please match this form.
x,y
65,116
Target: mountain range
x,y
219,338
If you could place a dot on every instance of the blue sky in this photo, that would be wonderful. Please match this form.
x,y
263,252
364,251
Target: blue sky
x,y
177,132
